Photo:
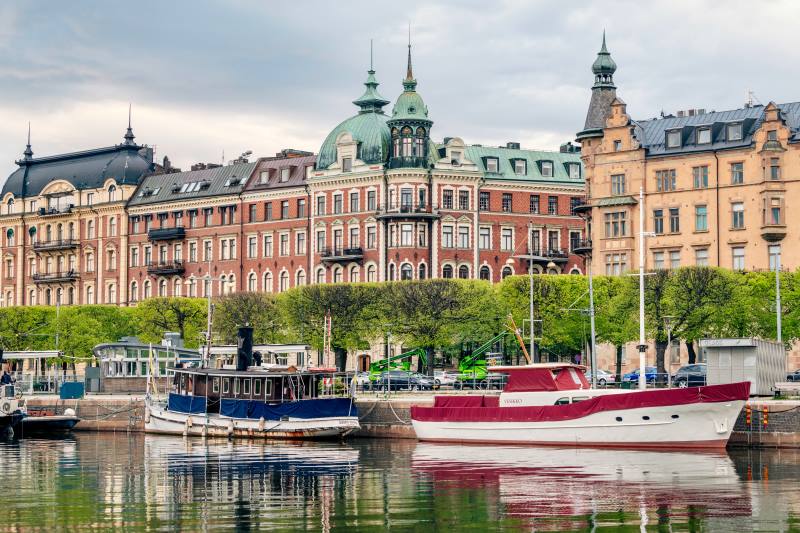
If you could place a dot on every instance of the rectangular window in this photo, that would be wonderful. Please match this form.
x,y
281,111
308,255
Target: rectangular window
x,y
574,202
520,167
406,235
737,215
423,237
674,220
320,205
320,240
774,251
337,204
552,205
463,200
192,252
372,237
177,252
574,239
703,135
658,221
485,238
615,224
268,211
506,202
574,171
354,202
207,251
447,199
285,209
193,219
700,218
354,237
301,208
463,237
547,169
252,247
775,215
701,257
263,177
300,247
284,175
268,245
371,201
617,145
734,132
284,244
484,201
673,138
534,207
616,264
252,213
658,260
347,164
700,177
209,217
774,168
134,257
618,184
507,239
447,236
737,253
737,173
665,180
674,259
492,164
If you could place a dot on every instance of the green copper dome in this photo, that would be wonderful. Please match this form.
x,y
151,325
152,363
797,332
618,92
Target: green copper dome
x,y
604,65
368,128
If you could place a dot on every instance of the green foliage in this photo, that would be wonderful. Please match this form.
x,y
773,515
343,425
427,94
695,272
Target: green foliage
x,y
156,316
257,309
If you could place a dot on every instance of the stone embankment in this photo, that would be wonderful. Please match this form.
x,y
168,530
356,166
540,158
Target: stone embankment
x,y
762,423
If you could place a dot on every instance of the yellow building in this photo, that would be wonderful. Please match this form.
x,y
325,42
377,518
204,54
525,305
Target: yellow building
x,y
716,185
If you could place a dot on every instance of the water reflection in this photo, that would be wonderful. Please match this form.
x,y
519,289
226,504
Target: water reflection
x,y
137,482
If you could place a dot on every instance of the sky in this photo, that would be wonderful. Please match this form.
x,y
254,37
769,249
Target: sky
x,y
206,78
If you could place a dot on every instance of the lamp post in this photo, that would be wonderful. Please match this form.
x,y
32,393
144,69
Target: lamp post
x,y
668,327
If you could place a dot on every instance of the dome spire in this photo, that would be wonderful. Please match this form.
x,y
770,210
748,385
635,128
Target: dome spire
x,y
28,153
371,101
129,137
604,67
409,84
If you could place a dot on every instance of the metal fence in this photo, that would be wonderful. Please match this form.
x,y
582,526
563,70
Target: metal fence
x,y
28,384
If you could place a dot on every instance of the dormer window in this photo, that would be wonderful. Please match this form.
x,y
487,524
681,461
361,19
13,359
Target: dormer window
x,y
673,139
772,135
574,171
309,169
263,177
704,136
520,167
617,146
547,169
284,175
492,164
455,158
347,164
735,132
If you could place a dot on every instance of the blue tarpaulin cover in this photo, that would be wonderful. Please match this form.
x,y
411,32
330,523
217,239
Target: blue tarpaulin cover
x,y
319,408
186,404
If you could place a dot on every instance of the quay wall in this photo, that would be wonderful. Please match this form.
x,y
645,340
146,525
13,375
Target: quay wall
x,y
766,424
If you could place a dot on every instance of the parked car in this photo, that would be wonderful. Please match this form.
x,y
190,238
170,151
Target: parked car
x,y
793,376
650,373
690,376
400,380
362,379
445,377
604,377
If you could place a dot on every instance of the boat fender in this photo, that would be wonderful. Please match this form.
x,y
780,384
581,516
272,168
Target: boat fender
x,y
6,407
69,411
146,415
205,431
261,424
231,427
189,422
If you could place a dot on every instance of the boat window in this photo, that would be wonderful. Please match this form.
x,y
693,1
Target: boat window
x,y
577,399
236,386
574,376
675,416
215,386
562,401
226,385
267,388
246,387
257,387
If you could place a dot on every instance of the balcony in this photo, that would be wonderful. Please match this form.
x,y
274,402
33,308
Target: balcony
x,y
408,211
167,268
334,255
583,247
408,162
53,245
773,232
167,234
582,208
54,211
555,255
56,277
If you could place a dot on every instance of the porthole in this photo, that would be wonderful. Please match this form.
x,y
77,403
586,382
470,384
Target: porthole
x,y
645,417
675,416
619,419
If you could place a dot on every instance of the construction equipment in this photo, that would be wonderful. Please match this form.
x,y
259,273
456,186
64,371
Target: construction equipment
x,y
398,362
472,369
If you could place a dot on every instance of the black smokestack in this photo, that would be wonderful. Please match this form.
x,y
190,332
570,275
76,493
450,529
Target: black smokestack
x,y
244,352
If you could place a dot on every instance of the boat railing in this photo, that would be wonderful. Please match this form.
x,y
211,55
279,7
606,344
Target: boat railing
x,y
29,384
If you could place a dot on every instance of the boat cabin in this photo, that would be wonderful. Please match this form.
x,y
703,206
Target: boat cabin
x,y
543,377
131,358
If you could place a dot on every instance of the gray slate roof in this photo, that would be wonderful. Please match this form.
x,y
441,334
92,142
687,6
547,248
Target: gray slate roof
x,y
652,133
161,188
273,165
599,110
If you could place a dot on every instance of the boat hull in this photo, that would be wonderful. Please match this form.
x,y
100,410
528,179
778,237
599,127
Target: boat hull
x,y
48,425
10,421
160,420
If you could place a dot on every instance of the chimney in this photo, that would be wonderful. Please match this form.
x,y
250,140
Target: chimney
x,y
244,349
512,145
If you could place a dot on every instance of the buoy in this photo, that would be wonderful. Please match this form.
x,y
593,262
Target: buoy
x,y
261,424
71,412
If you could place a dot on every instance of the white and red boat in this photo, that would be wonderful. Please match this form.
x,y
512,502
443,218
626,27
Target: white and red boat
x,y
553,404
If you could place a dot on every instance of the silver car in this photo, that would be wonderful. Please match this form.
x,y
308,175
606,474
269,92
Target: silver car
x,y
604,377
445,377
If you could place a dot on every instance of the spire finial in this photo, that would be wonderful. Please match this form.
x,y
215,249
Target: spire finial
x,y
603,48
409,72
370,55
28,153
129,137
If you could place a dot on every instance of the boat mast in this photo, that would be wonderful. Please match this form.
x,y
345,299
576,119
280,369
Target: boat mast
x,y
642,341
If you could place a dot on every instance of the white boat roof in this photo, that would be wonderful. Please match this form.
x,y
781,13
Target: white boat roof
x,y
533,366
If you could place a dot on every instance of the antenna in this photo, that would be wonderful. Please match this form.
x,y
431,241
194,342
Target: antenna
x,y
129,115
370,54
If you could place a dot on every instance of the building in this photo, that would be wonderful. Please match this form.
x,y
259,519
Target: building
x,y
63,225
717,185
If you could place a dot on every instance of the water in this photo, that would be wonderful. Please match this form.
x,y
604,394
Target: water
x,y
137,482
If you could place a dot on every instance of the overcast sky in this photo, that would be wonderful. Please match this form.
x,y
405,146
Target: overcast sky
x,y
207,77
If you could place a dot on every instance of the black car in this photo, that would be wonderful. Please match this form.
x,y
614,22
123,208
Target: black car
x,y
399,380
690,376
794,376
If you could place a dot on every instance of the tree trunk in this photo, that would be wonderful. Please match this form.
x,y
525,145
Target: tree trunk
x,y
429,357
619,349
340,355
661,348
692,353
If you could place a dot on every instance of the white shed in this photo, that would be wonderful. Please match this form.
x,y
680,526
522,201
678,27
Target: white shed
x,y
761,362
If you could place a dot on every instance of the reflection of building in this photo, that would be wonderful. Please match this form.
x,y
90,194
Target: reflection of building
x,y
63,225
717,184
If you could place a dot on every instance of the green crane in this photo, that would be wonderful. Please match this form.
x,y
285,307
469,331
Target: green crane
x,y
473,366
398,362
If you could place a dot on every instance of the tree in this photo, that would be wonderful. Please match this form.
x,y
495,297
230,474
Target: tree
x,y
259,310
156,316
616,313
655,297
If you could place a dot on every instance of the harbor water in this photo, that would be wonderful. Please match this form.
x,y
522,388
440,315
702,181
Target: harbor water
x,y
135,482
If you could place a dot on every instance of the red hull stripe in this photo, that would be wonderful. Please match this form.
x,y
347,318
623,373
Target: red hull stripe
x,y
472,411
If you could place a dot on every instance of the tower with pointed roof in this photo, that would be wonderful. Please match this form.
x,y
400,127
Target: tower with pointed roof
x,y
410,126
603,93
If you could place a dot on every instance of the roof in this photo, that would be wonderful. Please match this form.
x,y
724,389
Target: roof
x,y
534,158
273,167
219,181
371,133
615,201
89,169
652,133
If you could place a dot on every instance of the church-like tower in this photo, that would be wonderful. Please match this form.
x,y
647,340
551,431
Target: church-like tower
x,y
603,93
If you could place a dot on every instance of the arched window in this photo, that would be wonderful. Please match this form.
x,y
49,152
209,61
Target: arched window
x,y
48,296
32,297
32,233
301,278
192,283
391,272
89,230
284,281
48,233
463,272
447,271
59,293
162,287
90,262
71,296
176,287
10,237
251,282
59,232
111,190
112,226
406,272
9,299
372,273
147,288
71,231
134,295
484,273
112,294
422,271
320,275
89,295
268,282
10,206
338,273
506,272
353,277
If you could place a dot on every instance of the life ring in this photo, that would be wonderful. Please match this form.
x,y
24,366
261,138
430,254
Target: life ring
x,y
6,407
